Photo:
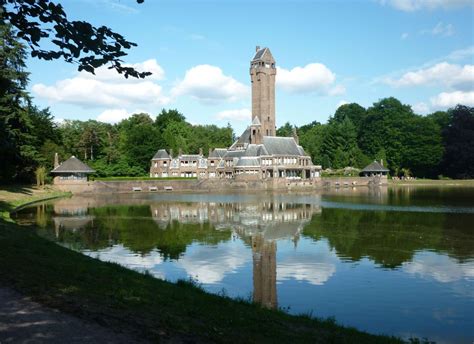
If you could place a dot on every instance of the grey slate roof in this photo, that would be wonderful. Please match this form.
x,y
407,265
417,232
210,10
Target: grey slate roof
x,y
265,55
375,167
161,154
234,153
281,145
302,152
218,153
256,121
248,162
73,165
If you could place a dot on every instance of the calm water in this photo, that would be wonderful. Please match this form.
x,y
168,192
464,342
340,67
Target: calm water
x,y
395,261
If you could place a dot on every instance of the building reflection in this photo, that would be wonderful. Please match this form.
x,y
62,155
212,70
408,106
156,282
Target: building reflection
x,y
261,225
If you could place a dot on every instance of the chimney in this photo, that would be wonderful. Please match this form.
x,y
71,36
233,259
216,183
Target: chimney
x,y
171,153
257,48
295,136
381,162
56,160
210,151
180,152
200,151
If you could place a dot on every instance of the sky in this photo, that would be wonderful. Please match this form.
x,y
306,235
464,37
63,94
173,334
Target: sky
x,y
327,53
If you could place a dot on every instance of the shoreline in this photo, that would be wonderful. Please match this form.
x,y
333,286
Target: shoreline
x,y
139,305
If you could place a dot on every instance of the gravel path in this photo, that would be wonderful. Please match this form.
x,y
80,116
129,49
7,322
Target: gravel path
x,y
25,321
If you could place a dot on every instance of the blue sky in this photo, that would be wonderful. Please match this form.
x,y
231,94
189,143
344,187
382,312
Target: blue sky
x,y
327,53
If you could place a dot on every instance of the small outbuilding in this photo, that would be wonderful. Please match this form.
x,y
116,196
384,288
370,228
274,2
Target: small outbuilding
x,y
375,169
71,170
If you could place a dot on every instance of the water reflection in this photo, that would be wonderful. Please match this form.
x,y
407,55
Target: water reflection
x,y
294,250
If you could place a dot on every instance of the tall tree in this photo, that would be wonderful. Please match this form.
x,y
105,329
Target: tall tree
x,y
18,155
458,161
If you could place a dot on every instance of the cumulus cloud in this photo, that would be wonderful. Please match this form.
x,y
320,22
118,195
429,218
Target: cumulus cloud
x,y
314,77
107,88
210,265
314,268
446,100
421,108
444,73
237,115
441,29
208,84
415,5
113,115
441,268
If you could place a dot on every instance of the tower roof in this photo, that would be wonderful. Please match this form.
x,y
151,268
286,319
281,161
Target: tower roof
x,y
264,55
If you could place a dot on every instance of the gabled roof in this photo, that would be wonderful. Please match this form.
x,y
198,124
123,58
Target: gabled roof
x,y
161,154
375,167
73,165
218,153
256,121
281,145
264,55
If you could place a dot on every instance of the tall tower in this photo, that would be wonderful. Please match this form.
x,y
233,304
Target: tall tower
x,y
262,75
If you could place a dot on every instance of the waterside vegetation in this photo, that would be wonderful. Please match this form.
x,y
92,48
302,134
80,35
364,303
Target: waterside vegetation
x,y
141,305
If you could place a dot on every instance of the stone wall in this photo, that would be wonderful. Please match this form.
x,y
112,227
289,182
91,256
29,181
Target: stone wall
x,y
207,185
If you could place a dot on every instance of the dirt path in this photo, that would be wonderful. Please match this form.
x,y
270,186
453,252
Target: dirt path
x,y
25,321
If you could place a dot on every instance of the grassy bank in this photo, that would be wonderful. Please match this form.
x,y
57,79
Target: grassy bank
x,y
14,196
141,305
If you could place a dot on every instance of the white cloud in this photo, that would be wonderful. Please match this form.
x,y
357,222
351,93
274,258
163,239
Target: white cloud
x,y
461,54
113,115
446,100
442,268
107,88
415,5
316,267
210,265
314,77
441,29
237,115
208,84
444,73
421,108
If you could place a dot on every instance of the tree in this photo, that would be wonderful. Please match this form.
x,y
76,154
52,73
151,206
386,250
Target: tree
x,y
138,140
352,111
458,137
285,131
76,42
385,127
18,154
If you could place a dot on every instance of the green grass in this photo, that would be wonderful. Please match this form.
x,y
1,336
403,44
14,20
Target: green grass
x,y
141,178
14,196
141,305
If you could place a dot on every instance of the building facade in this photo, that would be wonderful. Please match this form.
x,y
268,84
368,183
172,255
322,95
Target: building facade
x,y
258,154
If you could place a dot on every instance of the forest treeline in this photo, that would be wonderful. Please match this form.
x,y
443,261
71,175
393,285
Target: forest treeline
x,y
441,143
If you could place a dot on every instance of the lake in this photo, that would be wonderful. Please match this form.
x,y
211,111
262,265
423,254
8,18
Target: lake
x,y
386,260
